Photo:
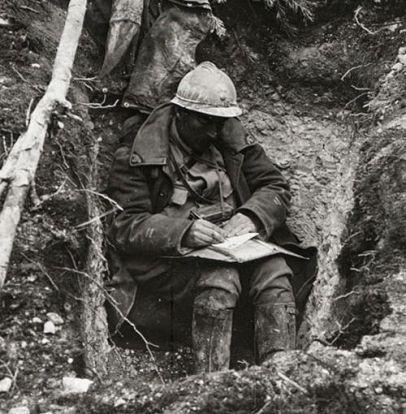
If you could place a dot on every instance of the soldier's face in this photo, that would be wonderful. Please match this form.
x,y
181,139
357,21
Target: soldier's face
x,y
197,130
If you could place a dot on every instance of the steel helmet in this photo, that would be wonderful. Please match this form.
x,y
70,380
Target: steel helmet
x,y
200,4
208,90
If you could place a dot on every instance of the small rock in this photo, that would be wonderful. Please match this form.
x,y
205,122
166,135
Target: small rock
x,y
6,81
35,319
15,305
69,410
49,328
32,278
55,318
393,27
72,385
19,410
397,67
402,59
4,22
119,402
5,384
35,65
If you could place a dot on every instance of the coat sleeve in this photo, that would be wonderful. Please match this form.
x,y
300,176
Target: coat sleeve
x,y
136,229
270,200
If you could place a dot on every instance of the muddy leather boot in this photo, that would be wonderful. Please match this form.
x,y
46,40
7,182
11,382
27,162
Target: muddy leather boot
x,y
211,335
275,329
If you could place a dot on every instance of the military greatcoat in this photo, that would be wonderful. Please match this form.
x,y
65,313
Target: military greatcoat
x,y
142,183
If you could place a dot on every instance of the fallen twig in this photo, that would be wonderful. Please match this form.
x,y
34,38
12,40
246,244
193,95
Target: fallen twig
x,y
266,405
104,196
291,382
95,105
7,148
85,79
363,27
354,68
74,117
357,88
29,9
99,217
18,74
87,82
353,292
47,197
355,99
341,331
113,303
12,374
72,258
43,271
61,151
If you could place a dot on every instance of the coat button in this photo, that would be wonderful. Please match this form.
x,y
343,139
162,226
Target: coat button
x,y
161,194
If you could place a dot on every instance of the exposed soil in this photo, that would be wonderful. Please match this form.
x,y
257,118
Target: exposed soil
x,y
304,99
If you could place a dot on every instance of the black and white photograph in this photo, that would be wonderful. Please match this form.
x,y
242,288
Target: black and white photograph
x,y
202,206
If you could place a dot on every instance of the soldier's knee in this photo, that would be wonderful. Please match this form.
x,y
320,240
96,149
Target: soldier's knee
x,y
218,288
214,300
271,282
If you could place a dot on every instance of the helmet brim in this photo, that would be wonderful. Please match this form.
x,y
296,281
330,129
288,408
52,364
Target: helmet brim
x,y
223,112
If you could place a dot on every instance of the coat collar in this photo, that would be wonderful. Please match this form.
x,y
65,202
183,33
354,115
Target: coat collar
x,y
151,144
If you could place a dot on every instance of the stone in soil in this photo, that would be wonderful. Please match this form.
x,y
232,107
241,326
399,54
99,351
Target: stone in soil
x,y
49,328
19,410
72,385
55,318
5,384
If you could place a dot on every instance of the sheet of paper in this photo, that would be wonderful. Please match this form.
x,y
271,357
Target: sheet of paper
x,y
233,242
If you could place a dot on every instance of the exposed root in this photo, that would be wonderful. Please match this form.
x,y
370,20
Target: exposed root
x,y
361,25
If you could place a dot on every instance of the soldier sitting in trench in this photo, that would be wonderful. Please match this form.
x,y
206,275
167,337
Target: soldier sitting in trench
x,y
191,157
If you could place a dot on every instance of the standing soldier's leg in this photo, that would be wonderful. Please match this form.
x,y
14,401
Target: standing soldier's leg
x,y
217,291
275,310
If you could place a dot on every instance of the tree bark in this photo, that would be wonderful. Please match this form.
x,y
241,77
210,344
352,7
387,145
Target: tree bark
x,y
93,321
19,169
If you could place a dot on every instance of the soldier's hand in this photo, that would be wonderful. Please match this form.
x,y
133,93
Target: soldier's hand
x,y
238,225
203,233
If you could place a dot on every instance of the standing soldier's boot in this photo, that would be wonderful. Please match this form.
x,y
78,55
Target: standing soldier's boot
x,y
211,335
275,329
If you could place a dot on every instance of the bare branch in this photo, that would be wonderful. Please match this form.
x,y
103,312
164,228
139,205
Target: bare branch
x,y
291,382
362,26
354,68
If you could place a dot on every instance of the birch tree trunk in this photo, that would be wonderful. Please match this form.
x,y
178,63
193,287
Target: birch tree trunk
x,y
19,169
